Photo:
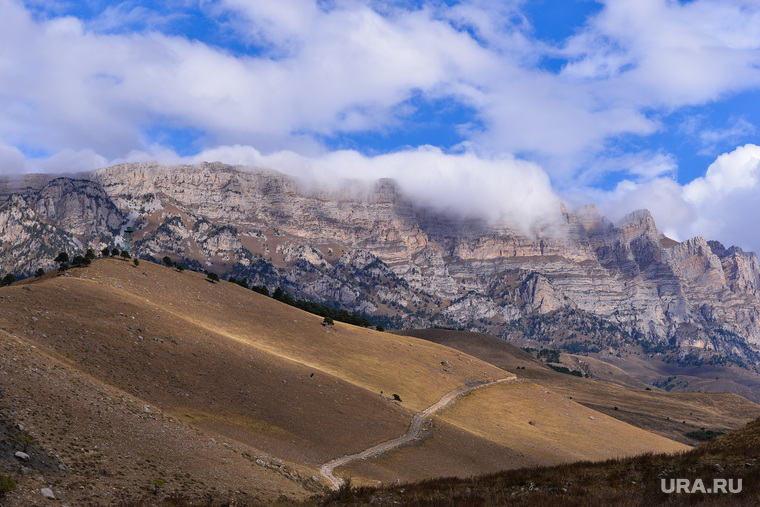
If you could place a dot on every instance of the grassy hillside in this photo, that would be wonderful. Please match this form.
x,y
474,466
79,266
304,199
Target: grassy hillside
x,y
94,444
625,482
618,395
145,382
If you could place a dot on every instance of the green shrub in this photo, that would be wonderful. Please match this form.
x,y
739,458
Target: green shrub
x,y
6,484
551,355
158,483
703,435
261,290
563,369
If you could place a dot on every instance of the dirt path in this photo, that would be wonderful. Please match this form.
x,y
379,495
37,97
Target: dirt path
x,y
411,434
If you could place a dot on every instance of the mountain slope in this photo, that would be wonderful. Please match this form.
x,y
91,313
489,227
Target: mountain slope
x,y
670,414
723,472
367,248
577,282
97,348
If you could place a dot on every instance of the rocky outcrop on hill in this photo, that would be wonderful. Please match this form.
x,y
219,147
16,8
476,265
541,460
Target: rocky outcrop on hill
x,y
80,207
368,248
28,243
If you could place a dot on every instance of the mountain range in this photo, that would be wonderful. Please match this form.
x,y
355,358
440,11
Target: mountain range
x,y
579,283
139,384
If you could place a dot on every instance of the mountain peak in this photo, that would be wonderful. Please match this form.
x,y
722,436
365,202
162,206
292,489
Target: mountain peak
x,y
370,249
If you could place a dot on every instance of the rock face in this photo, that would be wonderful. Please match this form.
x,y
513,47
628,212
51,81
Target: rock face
x,y
367,248
27,242
80,207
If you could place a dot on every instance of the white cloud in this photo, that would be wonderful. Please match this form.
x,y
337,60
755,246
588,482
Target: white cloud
x,y
639,166
712,139
85,96
338,71
12,161
667,53
663,197
730,173
464,183
721,205
350,66
726,198
69,161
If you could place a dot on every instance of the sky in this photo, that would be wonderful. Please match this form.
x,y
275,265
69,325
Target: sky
x,y
497,108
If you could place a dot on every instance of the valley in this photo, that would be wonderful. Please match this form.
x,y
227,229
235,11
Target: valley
x,y
134,383
122,375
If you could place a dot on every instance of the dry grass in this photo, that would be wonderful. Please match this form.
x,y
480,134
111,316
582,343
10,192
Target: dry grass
x,y
247,396
633,481
511,426
109,448
669,414
550,427
216,361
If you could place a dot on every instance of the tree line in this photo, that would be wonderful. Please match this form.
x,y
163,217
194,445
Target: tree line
x,y
330,314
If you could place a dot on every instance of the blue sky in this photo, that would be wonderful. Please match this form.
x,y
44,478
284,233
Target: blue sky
x,y
625,103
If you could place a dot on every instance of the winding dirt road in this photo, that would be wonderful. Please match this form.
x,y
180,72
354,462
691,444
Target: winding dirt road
x,y
411,434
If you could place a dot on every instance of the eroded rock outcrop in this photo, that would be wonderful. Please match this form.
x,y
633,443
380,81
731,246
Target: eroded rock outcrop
x,y
368,248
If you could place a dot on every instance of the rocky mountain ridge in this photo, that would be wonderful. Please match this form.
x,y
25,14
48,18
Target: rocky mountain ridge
x,y
368,248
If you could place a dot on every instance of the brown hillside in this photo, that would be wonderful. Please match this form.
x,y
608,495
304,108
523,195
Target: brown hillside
x,y
249,370
215,364
531,426
670,414
731,460
94,444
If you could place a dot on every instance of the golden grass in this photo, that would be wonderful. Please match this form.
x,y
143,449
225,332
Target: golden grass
x,y
110,448
548,426
233,362
373,360
669,414
271,378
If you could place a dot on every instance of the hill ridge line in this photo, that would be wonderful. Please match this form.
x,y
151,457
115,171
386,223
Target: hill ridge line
x,y
411,434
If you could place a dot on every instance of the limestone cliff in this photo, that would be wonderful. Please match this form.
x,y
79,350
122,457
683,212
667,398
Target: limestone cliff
x,y
27,242
368,248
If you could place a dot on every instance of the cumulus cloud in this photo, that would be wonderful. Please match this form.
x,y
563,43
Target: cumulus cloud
x,y
663,197
726,197
721,205
321,69
656,52
344,70
91,92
